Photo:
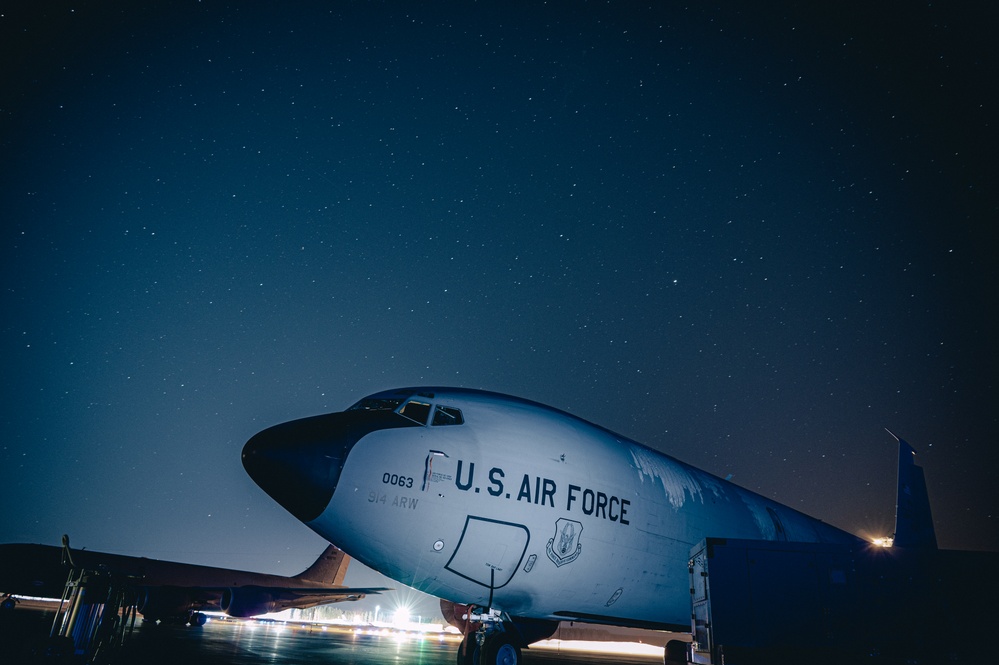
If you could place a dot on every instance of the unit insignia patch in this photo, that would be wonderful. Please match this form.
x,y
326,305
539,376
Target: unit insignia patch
x,y
565,546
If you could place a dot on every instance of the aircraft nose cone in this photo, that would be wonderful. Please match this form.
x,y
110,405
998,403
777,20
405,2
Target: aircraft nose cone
x,y
298,463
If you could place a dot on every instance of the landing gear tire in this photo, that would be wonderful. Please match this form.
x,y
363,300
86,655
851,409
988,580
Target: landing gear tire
x,y
468,651
197,620
499,650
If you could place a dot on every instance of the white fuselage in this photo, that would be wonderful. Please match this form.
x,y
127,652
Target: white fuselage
x,y
540,514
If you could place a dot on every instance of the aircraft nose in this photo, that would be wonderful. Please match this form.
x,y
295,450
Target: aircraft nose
x,y
298,463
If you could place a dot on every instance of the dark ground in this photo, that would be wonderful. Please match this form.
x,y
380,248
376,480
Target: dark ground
x,y
253,643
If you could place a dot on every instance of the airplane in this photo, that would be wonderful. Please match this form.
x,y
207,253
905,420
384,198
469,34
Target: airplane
x,y
168,590
518,515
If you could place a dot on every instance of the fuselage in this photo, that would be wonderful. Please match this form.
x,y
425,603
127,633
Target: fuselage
x,y
492,500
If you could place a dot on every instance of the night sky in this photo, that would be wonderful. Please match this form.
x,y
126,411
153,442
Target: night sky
x,y
750,238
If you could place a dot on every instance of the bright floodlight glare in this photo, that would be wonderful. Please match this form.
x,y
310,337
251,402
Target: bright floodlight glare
x,y
883,541
401,616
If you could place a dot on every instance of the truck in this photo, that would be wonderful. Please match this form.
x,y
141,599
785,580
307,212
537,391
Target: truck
x,y
758,601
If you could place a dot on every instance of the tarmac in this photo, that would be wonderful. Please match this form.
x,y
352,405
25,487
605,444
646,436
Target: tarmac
x,y
249,642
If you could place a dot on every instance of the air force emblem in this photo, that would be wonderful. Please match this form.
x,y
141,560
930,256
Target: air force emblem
x,y
564,547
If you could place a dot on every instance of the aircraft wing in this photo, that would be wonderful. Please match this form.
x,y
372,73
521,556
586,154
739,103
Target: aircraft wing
x,y
293,597
252,600
170,589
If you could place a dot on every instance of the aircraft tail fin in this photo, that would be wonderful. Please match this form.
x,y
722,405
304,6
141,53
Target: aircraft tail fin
x,y
913,520
329,568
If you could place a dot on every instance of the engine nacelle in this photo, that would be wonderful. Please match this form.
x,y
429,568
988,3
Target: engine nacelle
x,y
163,602
456,615
247,602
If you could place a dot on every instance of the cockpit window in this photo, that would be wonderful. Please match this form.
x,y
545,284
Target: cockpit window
x,y
446,415
376,404
414,410
417,408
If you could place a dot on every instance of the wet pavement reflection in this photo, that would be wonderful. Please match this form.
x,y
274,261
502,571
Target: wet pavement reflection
x,y
258,643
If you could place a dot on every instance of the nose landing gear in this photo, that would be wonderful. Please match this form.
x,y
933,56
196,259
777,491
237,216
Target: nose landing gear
x,y
498,649
494,643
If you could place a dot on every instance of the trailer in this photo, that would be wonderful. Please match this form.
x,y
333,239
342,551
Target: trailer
x,y
773,602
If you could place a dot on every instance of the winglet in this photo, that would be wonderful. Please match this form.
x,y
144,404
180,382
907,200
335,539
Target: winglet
x,y
913,520
329,568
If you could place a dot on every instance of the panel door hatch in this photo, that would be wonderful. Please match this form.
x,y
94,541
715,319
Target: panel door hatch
x,y
489,551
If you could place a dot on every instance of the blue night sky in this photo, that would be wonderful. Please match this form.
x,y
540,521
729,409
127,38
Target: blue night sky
x,y
750,238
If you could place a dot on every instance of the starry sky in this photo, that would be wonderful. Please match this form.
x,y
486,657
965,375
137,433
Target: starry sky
x,y
749,237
